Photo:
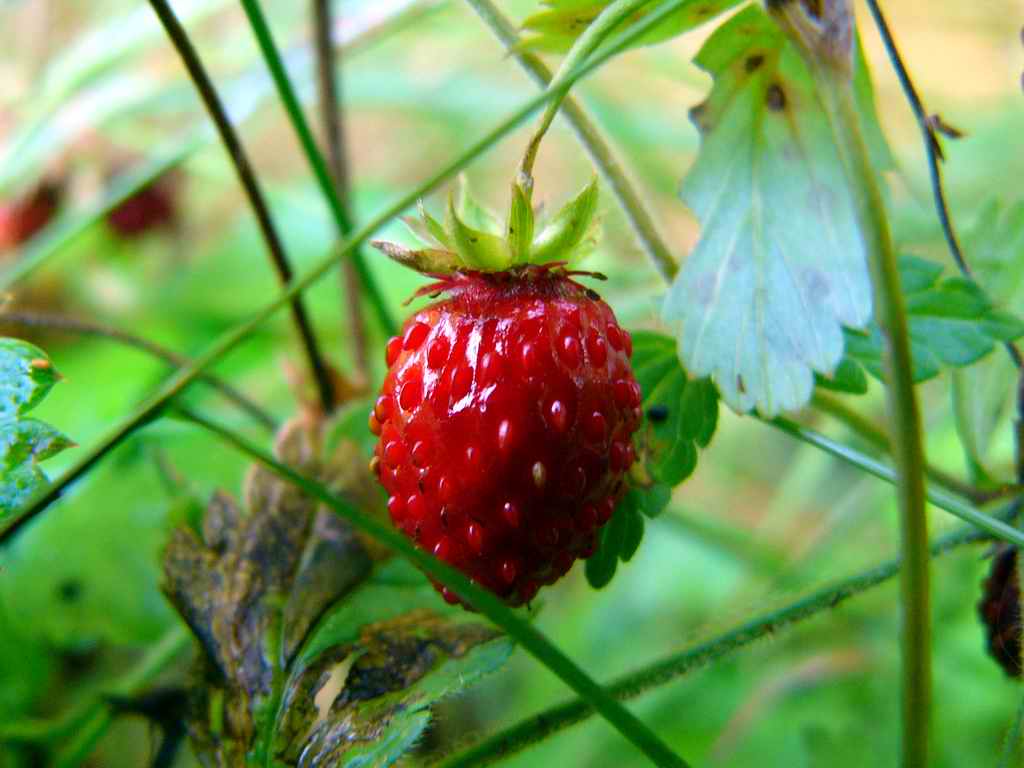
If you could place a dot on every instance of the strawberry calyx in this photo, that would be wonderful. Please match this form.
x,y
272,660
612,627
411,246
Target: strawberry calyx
x,y
473,241
552,277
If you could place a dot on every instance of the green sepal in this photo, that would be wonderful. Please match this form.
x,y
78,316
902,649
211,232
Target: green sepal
x,y
476,249
428,229
568,229
426,261
519,228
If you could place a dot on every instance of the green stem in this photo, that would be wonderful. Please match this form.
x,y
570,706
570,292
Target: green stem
x,y
328,63
89,328
992,525
877,438
589,135
485,602
250,184
905,417
152,407
551,721
598,30
339,211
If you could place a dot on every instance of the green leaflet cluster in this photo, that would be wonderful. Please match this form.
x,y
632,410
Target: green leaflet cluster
x,y
472,238
26,377
680,417
952,323
559,26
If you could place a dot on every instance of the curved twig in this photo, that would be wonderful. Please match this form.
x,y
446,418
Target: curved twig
x,y
179,38
92,328
930,126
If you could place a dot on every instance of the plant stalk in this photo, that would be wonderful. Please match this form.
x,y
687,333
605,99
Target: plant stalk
x,y
877,438
90,328
279,259
589,135
605,23
905,416
329,80
340,213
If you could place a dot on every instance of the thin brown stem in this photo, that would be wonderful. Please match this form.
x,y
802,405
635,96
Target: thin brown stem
x,y
930,126
91,328
331,107
247,177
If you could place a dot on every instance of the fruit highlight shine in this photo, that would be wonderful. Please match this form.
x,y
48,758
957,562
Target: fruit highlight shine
x,y
505,425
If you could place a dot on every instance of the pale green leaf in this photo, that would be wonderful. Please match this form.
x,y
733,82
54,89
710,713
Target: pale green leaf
x,y
780,268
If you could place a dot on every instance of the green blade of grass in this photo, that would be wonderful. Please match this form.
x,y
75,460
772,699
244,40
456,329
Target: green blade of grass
x,y
316,160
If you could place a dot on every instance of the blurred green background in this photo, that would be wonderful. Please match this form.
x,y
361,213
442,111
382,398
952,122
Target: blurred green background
x,y
89,89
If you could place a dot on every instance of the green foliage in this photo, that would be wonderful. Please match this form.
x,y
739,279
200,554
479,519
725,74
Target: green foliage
x,y
556,29
984,392
953,323
780,267
669,444
621,536
681,417
26,377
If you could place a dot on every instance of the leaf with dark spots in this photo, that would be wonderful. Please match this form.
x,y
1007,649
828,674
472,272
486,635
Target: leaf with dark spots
x,y
287,599
760,303
26,377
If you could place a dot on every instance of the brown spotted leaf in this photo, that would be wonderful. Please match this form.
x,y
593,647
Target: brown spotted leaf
x,y
280,591
760,303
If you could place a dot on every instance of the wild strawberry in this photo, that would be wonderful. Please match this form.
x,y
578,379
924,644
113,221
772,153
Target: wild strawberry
x,y
506,422
151,208
999,609
22,219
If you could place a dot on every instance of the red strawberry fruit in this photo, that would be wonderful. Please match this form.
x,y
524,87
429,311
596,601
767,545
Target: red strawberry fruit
x,y
24,218
506,418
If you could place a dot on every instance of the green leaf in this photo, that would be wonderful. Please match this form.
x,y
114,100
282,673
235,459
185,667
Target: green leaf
x,y
26,377
476,249
291,605
687,410
567,230
556,29
986,391
601,565
621,536
681,416
519,228
400,649
847,377
760,303
952,323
